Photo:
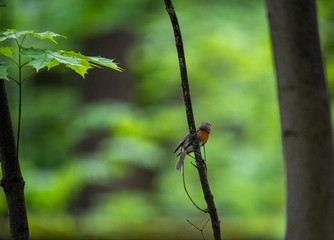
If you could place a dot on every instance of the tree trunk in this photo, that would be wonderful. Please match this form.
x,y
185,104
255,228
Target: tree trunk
x,y
12,181
305,119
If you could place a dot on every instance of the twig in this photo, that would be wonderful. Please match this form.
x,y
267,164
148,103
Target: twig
x,y
193,164
25,63
20,99
201,166
24,37
20,82
19,121
26,77
199,229
185,189
13,61
13,79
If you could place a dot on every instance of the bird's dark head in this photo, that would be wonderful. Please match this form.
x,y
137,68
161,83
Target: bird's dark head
x,y
206,126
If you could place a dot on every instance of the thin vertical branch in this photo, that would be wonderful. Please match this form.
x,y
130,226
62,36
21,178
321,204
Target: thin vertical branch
x,y
19,120
201,166
20,81
20,100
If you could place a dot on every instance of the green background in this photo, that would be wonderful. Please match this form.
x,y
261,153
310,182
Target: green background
x,y
97,153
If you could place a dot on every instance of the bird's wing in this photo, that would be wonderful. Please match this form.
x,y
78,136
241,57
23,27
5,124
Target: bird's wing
x,y
184,139
181,142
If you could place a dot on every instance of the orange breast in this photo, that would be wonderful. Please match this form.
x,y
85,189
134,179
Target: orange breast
x,y
203,136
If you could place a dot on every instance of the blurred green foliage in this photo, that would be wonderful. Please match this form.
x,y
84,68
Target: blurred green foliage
x,y
125,186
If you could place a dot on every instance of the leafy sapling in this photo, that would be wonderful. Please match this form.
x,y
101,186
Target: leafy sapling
x,y
38,58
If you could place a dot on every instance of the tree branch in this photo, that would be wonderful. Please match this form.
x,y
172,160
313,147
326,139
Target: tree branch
x,y
185,189
201,166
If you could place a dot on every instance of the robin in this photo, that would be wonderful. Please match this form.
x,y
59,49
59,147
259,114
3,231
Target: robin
x,y
203,132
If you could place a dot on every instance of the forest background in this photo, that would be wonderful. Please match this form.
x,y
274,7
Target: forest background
x,y
97,153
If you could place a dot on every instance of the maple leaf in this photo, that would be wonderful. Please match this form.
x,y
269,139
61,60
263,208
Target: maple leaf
x,y
44,57
14,34
41,58
89,62
7,51
3,72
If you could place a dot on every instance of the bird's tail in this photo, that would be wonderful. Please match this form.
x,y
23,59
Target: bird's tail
x,y
180,162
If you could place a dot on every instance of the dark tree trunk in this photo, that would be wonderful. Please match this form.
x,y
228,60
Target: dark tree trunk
x,y
12,181
305,119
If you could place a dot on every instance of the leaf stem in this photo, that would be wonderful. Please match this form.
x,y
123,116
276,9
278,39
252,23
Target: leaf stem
x,y
14,80
20,100
24,37
17,42
25,64
13,61
26,77
19,121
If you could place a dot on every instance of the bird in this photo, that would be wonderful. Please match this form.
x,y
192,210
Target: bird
x,y
185,145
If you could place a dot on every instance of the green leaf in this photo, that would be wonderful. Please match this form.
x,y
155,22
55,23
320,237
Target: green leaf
x,y
84,64
63,59
14,34
43,57
40,57
40,62
92,61
3,72
32,52
46,35
105,62
82,69
52,64
7,51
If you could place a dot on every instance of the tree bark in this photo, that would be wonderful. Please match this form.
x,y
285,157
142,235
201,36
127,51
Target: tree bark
x,y
12,181
305,119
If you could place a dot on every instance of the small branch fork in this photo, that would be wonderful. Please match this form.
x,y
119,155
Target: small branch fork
x,y
199,229
200,163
